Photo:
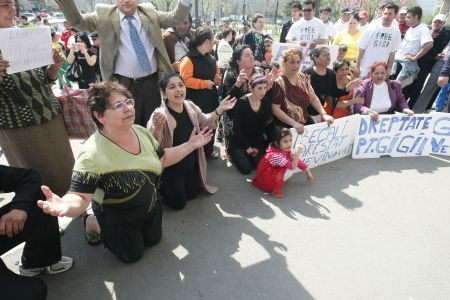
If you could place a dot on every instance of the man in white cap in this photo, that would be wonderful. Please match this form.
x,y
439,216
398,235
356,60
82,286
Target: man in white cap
x,y
341,24
401,18
441,37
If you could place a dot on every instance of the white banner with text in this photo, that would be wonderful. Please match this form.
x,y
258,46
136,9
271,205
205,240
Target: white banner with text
x,y
396,135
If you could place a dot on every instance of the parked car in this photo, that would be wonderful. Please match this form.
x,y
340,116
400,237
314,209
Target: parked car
x,y
57,15
57,24
30,16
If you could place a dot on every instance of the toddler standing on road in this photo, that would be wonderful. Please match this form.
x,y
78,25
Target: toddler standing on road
x,y
271,170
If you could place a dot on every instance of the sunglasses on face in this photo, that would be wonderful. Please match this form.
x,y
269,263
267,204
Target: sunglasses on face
x,y
307,10
119,106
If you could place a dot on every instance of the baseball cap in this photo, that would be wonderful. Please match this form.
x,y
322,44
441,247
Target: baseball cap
x,y
403,10
440,17
363,14
94,34
346,10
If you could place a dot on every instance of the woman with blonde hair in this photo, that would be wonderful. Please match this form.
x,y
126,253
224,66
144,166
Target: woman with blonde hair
x,y
293,94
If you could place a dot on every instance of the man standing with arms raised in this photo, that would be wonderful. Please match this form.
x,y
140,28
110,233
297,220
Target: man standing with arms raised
x,y
132,49
379,42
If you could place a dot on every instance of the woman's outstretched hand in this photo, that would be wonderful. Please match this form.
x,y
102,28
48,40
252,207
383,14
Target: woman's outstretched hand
x,y
53,205
200,139
227,104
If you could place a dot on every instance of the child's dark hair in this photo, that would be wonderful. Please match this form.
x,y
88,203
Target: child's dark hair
x,y
258,79
280,133
343,47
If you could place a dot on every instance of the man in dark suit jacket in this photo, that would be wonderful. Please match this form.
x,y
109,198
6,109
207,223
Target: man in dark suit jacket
x,y
119,61
296,10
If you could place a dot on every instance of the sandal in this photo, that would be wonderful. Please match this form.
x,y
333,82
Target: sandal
x,y
214,154
92,238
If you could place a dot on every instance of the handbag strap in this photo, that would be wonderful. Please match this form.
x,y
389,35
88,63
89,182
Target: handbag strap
x,y
158,179
66,87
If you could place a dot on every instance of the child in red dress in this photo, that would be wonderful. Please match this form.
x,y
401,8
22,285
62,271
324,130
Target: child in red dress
x,y
271,170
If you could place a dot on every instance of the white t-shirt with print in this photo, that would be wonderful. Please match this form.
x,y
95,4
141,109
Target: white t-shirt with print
x,y
307,30
381,102
414,40
378,42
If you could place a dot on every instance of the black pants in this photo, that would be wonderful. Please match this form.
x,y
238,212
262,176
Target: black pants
x,y
42,248
244,162
41,237
128,241
180,186
413,90
84,83
146,94
209,148
13,286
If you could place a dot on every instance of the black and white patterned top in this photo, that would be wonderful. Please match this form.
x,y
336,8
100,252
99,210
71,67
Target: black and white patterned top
x,y
26,99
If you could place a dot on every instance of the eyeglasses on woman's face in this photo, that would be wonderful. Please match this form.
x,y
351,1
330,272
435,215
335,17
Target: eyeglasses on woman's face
x,y
120,105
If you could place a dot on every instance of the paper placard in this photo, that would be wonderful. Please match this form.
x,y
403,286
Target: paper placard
x,y
26,48
324,144
440,139
394,135
279,48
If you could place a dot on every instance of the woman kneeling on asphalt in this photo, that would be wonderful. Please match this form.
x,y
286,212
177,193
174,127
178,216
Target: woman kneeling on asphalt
x,y
171,125
117,168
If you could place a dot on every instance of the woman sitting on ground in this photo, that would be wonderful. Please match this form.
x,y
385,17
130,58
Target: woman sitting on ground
x,y
171,125
251,115
293,95
323,79
117,168
379,95
342,106
236,84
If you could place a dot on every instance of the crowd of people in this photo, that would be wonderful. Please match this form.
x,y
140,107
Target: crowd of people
x,y
157,98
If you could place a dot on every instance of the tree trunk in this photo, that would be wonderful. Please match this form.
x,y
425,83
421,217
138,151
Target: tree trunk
x,y
445,7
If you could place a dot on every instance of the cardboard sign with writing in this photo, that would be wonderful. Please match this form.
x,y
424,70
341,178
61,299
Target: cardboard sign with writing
x,y
324,144
440,139
279,48
26,48
394,135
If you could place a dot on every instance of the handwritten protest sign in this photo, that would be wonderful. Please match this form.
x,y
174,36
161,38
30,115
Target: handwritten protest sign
x,y
26,48
279,48
393,135
324,143
440,139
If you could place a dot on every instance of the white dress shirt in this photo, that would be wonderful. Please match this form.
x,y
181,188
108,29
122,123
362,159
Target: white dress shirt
x,y
127,63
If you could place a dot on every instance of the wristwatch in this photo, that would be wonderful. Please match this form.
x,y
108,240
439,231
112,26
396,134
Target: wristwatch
x,y
217,112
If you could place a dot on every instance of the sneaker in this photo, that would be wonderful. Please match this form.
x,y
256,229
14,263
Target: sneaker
x,y
63,265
